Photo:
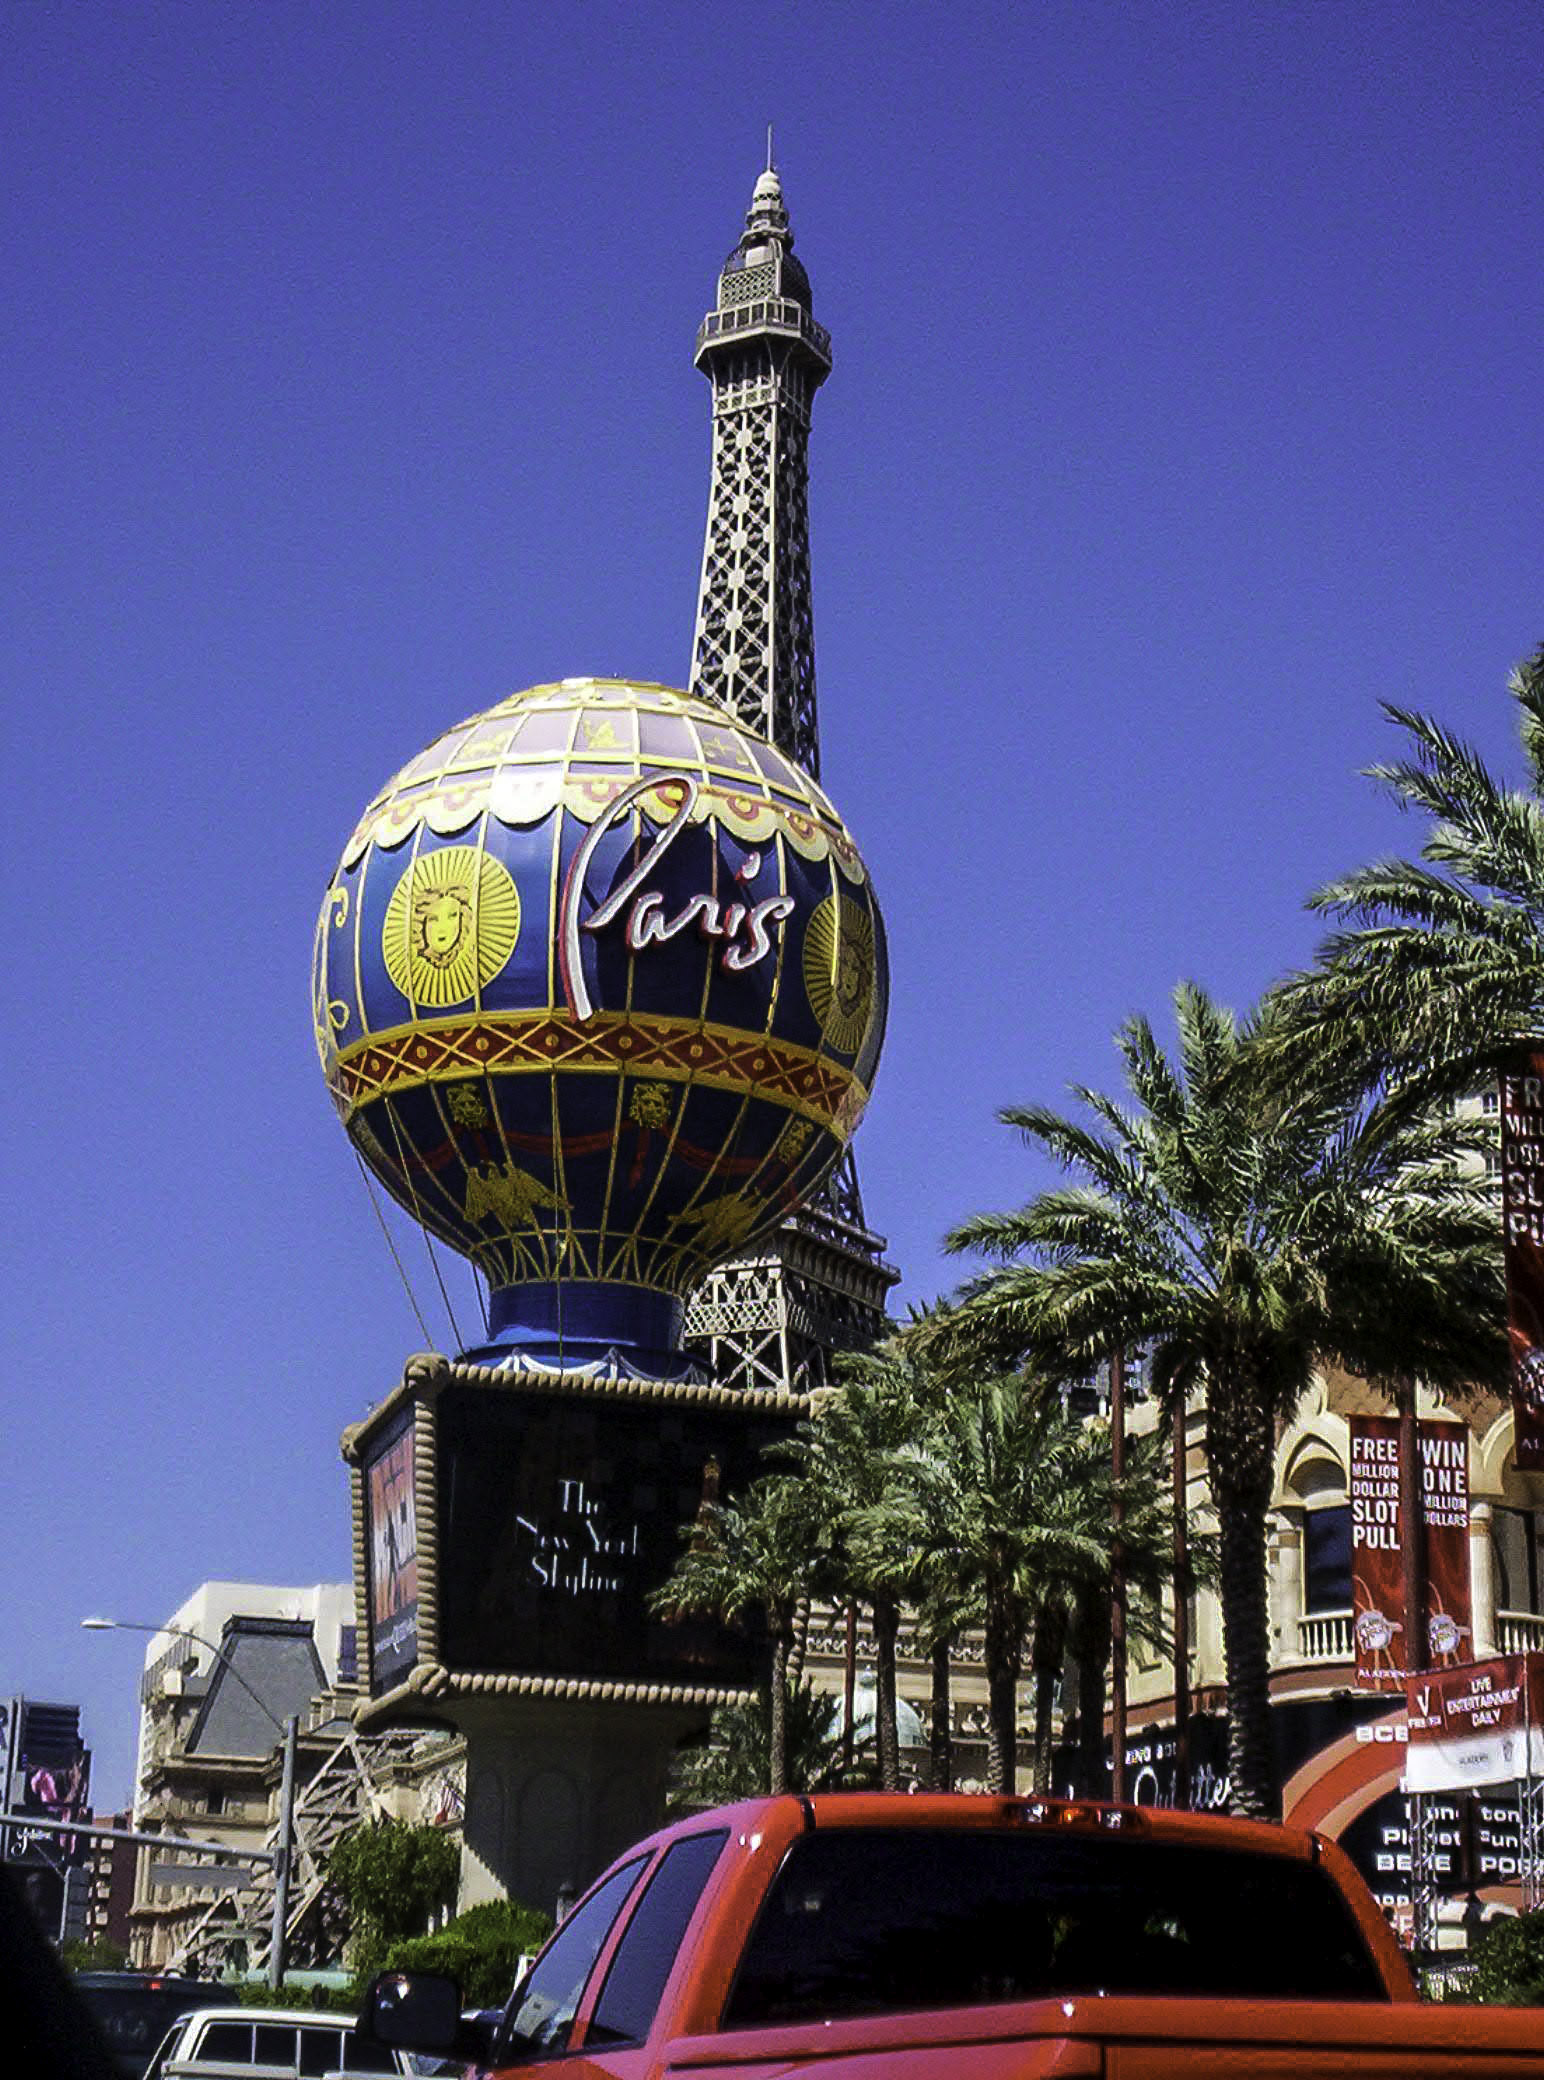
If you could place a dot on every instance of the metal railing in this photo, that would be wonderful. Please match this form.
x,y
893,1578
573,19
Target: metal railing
x,y
1325,1636
769,313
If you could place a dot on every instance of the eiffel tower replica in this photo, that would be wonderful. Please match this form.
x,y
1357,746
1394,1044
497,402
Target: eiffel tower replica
x,y
777,1317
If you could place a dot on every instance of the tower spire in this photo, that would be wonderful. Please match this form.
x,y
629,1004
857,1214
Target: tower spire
x,y
765,356
775,1319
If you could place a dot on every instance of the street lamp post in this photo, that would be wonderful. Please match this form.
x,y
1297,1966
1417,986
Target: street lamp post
x,y
288,1730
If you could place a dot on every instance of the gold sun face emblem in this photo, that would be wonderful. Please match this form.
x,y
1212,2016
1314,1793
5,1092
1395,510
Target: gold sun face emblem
x,y
451,925
839,970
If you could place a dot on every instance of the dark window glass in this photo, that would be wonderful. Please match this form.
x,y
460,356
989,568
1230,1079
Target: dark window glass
x,y
321,2050
275,2045
360,2057
1515,1543
636,1976
549,1994
866,1922
229,2040
1327,1559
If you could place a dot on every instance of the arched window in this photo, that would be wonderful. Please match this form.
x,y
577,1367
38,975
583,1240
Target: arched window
x,y
1319,1486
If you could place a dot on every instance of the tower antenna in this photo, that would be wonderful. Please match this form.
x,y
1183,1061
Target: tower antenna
x,y
770,167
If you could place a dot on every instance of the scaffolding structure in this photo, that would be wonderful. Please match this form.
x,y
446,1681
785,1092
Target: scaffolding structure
x,y
234,1933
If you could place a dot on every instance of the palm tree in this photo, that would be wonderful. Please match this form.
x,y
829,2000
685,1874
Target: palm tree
x,y
1242,1242
732,1760
1147,1559
1438,974
1002,1466
755,1555
841,1456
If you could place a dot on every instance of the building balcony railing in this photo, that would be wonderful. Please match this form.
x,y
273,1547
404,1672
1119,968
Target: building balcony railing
x,y
1325,1636
1519,1632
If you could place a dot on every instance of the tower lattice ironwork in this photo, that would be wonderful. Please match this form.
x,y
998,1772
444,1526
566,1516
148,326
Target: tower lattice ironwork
x,y
777,1317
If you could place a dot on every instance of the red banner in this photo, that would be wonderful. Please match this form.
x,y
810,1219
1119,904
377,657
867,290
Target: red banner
x,y
1479,1724
1522,1198
1377,1546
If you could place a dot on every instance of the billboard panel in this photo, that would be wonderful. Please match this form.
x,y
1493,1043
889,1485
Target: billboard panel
x,y
1377,1544
1522,1199
559,1514
391,1549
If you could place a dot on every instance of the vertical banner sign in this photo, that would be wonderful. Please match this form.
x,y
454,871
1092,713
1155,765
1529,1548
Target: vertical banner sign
x,y
1522,1198
1377,1539
391,1519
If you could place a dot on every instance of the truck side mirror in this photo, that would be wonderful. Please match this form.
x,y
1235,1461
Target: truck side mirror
x,y
412,2011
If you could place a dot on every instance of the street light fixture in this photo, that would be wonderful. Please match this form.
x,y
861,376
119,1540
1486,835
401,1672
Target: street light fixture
x,y
288,1729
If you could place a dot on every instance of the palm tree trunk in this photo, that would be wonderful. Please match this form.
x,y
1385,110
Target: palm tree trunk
x,y
1246,1649
1049,1654
1093,1654
1240,1448
1004,1657
887,1623
777,1769
940,1729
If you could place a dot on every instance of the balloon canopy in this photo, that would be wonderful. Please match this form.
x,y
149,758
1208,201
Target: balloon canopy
x,y
599,990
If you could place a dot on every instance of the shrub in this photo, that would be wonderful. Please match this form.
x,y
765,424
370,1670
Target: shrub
x,y
342,2000
481,1949
1508,1957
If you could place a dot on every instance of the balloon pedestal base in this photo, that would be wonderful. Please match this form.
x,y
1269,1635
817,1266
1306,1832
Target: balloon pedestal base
x,y
513,1530
554,1791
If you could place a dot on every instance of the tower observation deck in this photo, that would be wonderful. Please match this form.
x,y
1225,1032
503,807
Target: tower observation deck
x,y
776,1317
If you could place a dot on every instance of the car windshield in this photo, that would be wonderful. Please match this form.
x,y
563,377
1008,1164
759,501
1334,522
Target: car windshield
x,y
869,1922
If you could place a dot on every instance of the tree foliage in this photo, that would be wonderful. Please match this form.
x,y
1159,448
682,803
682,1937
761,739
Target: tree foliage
x,y
1436,973
732,1760
1242,1239
391,1878
843,1458
99,1954
1005,1489
758,1555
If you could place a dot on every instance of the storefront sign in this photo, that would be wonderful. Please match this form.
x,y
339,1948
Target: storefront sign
x,y
1482,1723
1377,1543
1522,1198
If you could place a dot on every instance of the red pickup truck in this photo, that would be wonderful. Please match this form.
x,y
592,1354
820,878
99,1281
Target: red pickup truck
x,y
969,1938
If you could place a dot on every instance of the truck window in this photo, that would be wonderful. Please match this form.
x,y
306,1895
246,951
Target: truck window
x,y
550,1993
321,2051
231,2041
875,1922
635,1978
276,2045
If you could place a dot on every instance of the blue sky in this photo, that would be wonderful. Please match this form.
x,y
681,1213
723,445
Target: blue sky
x,y
1186,403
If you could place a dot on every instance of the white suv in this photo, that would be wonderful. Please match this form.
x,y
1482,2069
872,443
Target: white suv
x,y
276,2044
